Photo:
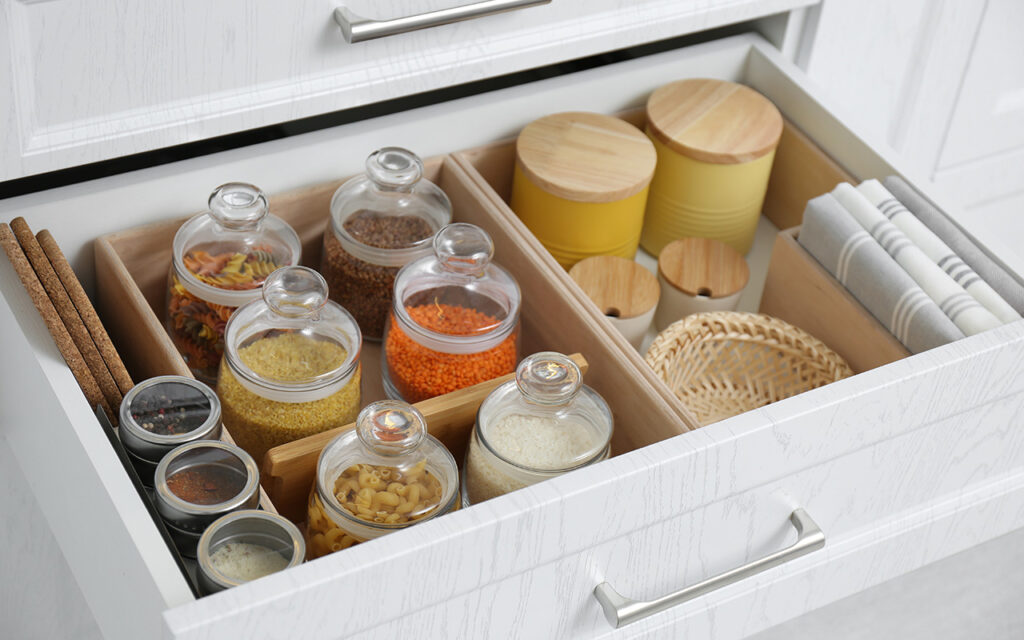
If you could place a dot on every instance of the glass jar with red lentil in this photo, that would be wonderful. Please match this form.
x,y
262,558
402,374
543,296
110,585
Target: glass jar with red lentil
x,y
454,319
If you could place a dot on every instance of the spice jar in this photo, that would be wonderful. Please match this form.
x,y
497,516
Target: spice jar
x,y
543,424
454,320
199,482
162,413
291,364
386,474
220,260
245,546
380,221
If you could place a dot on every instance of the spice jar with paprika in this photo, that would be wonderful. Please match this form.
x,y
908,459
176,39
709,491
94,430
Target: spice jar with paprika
x,y
220,260
386,474
380,221
454,320
291,364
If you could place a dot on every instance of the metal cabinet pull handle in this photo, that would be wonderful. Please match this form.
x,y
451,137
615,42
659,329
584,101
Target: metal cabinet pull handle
x,y
622,611
355,28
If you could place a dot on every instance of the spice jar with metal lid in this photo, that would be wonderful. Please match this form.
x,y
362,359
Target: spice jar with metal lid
x,y
380,221
244,546
220,260
454,319
386,474
162,413
543,424
291,364
199,482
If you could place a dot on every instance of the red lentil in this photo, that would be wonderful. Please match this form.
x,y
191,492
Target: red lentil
x,y
419,373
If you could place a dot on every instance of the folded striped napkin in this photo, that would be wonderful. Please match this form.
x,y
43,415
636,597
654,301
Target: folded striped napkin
x,y
955,302
853,257
937,250
1002,282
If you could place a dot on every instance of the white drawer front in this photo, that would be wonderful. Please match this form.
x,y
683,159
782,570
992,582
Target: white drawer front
x,y
145,77
891,446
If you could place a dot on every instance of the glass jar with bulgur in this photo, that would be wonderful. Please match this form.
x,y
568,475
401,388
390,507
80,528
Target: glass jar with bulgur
x,y
219,262
454,320
386,474
380,221
544,423
291,364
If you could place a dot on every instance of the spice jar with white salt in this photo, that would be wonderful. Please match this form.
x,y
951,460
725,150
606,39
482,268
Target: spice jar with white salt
x,y
543,424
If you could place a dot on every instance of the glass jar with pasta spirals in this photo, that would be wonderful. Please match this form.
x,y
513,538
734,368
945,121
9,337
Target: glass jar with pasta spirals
x,y
291,364
220,260
386,474
454,320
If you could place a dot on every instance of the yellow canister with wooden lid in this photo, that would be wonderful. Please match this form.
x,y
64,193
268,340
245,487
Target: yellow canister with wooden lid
x,y
580,184
715,142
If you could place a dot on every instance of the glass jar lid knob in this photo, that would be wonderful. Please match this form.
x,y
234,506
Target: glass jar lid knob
x,y
548,377
238,206
463,248
391,427
394,168
295,292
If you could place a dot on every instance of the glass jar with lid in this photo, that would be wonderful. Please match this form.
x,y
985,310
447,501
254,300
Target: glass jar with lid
x,y
386,474
220,261
380,221
454,320
544,423
291,364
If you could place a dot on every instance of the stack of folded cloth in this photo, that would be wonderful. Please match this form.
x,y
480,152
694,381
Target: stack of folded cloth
x,y
925,280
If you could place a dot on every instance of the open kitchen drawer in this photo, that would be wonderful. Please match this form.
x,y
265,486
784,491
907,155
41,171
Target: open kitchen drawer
x,y
899,466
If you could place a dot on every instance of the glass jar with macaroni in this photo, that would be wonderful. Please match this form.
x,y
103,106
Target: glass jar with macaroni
x,y
386,474
291,364
220,260
544,423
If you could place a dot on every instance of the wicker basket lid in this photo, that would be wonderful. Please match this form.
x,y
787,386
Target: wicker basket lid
x,y
586,157
714,121
702,266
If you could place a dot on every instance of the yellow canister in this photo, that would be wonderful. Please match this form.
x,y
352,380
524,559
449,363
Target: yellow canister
x,y
715,143
580,184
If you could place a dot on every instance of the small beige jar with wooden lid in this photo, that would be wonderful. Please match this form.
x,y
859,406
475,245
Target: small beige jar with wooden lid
x,y
715,142
697,275
580,184
624,291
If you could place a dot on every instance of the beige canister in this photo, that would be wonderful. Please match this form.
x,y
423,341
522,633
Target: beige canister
x,y
623,290
697,275
715,142
580,184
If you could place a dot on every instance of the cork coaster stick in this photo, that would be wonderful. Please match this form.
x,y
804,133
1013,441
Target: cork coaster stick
x,y
85,309
56,328
67,312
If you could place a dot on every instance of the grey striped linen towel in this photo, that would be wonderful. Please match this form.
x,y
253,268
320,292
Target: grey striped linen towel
x,y
969,316
937,250
997,277
856,260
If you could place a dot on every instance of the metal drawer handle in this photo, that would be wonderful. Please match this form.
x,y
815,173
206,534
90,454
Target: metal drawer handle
x,y
622,611
355,28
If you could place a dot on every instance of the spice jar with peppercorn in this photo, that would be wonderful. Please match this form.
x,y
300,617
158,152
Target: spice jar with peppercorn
x,y
454,320
291,364
544,423
380,221
220,261
386,474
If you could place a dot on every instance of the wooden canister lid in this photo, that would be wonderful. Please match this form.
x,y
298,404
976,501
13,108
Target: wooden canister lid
x,y
702,266
619,287
714,121
586,157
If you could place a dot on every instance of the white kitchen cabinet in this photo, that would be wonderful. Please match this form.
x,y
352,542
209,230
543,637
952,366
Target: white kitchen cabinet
x,y
900,466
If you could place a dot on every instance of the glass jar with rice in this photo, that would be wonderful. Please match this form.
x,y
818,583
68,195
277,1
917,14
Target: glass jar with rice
x,y
386,474
291,364
544,423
